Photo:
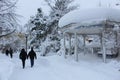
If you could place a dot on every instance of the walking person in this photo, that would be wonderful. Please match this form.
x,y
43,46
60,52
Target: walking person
x,y
7,52
23,57
32,56
11,52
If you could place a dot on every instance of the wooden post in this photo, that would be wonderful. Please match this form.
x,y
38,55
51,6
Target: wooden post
x,y
84,43
69,44
75,52
103,48
64,46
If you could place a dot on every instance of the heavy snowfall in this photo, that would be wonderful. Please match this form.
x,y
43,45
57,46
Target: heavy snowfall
x,y
57,37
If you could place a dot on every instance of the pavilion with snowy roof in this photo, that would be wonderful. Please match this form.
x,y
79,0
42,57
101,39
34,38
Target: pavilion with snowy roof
x,y
93,21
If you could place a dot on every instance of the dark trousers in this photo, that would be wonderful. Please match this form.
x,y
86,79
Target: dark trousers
x,y
23,63
7,54
32,62
11,55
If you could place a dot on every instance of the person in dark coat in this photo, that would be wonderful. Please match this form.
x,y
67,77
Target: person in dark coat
x,y
32,56
7,52
23,57
11,52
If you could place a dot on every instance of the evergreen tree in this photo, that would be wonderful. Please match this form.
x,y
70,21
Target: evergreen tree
x,y
46,27
37,25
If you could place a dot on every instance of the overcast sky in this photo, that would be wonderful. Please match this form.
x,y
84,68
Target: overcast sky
x,y
27,8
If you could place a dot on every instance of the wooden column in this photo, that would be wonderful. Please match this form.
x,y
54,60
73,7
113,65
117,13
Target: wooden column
x,y
103,48
84,43
70,44
75,50
64,46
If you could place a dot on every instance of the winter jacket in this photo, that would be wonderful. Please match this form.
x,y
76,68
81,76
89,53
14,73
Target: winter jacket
x,y
11,51
23,54
32,55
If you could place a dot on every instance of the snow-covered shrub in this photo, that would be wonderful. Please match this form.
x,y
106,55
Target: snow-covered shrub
x,y
50,45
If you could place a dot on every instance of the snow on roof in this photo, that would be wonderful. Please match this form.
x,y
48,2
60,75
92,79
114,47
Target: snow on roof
x,y
90,15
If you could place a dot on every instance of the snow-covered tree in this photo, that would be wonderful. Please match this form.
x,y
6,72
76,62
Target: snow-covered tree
x,y
40,25
45,28
58,9
36,27
8,19
8,23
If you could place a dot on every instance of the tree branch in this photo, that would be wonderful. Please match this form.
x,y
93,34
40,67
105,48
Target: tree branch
x,y
8,33
10,6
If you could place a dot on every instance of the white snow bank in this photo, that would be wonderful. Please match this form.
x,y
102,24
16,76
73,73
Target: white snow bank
x,y
6,67
90,15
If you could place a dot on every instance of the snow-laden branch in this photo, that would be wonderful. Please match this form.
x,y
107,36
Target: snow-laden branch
x,y
9,7
8,33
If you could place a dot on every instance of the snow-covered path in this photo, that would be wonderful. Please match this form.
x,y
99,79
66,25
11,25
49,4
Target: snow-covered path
x,y
57,68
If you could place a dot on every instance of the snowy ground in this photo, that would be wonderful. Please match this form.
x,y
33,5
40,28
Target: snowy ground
x,y
56,67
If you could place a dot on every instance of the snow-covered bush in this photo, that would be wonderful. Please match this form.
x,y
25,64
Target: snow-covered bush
x,y
50,45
